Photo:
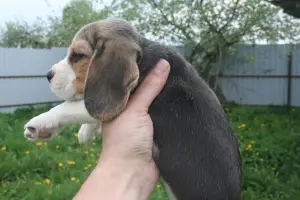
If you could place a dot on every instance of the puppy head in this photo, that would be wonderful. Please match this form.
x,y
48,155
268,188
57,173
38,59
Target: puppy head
x,y
101,68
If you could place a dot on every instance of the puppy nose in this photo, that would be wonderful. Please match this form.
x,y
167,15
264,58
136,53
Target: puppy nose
x,y
50,75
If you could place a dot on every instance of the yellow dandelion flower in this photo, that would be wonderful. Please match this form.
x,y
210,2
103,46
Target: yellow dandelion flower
x,y
38,144
86,153
47,181
60,164
3,148
27,152
76,134
57,146
90,165
249,147
71,163
38,183
73,179
158,186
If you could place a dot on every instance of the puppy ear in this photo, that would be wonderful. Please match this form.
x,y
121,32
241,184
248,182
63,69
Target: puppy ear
x,y
112,74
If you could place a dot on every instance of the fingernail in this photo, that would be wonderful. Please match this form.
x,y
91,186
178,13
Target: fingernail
x,y
161,66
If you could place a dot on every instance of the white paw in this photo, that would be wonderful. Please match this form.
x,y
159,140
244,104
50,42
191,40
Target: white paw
x,y
87,132
41,128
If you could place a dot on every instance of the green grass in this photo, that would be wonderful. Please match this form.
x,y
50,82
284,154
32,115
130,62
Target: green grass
x,y
269,141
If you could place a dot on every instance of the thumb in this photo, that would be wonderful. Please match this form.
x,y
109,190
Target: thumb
x,y
150,87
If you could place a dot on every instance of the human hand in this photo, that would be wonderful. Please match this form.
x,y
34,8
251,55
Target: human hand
x,y
126,160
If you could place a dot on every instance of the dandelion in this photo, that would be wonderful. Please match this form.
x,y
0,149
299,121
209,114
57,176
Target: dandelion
x,y
60,164
76,134
249,147
90,165
86,153
57,146
38,183
158,186
242,126
73,179
38,144
47,181
71,163
3,148
27,152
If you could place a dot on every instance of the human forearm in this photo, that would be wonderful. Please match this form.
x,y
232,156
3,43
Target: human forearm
x,y
117,180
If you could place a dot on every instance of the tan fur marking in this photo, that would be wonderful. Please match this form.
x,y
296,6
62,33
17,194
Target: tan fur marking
x,y
80,68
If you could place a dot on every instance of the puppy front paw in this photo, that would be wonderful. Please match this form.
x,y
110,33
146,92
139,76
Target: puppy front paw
x,y
87,133
41,128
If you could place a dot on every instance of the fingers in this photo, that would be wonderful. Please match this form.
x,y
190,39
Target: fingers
x,y
150,87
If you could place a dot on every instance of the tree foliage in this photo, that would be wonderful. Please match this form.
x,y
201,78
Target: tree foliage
x,y
54,31
208,26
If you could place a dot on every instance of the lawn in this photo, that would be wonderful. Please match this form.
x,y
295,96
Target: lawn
x,y
269,143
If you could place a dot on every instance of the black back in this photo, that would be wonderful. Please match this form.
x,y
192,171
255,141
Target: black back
x,y
198,151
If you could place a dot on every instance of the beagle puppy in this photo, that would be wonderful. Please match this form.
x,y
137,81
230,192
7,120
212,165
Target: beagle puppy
x,y
194,149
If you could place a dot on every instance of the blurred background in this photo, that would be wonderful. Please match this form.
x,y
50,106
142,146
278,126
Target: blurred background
x,y
248,52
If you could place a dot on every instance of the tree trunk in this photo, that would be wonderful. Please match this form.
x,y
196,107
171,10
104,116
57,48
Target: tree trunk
x,y
212,82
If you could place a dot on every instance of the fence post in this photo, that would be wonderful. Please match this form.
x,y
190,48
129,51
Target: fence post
x,y
289,83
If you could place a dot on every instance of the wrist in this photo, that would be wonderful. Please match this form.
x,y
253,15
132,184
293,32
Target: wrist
x,y
134,179
119,179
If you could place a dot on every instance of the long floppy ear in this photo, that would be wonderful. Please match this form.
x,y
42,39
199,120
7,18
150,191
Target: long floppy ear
x,y
112,74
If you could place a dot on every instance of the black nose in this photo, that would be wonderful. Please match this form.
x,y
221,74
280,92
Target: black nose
x,y
50,75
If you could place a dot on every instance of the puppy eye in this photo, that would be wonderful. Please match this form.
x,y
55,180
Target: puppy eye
x,y
75,57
